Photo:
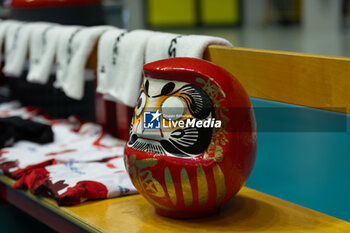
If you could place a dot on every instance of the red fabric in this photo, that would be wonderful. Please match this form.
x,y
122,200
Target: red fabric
x,y
37,181
6,166
60,152
32,180
82,190
19,172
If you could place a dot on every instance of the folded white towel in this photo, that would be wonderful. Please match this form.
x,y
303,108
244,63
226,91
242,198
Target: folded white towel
x,y
107,46
75,45
16,47
3,28
64,51
121,56
42,50
167,45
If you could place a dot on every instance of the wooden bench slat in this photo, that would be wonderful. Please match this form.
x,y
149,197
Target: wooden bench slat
x,y
249,211
303,79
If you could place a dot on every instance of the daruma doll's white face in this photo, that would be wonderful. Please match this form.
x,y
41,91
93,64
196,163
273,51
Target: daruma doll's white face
x,y
165,119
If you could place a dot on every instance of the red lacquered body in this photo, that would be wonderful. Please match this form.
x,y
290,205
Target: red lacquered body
x,y
197,186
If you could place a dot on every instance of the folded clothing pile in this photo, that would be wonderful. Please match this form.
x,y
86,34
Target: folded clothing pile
x,y
73,183
88,143
82,162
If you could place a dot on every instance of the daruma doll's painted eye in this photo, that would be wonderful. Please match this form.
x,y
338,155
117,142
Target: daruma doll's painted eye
x,y
188,166
141,103
173,108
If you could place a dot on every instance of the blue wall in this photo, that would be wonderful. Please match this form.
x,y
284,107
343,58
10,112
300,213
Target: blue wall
x,y
308,168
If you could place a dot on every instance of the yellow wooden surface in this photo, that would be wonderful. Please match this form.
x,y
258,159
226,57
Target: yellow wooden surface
x,y
249,211
303,79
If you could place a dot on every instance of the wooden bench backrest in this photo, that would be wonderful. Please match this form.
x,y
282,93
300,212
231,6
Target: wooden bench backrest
x,y
309,80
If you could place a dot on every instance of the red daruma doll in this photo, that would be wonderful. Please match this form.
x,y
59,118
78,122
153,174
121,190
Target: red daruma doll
x,y
192,139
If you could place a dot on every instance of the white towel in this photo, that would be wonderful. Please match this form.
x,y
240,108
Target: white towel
x,y
167,45
121,56
16,47
3,28
75,46
42,50
105,58
64,51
